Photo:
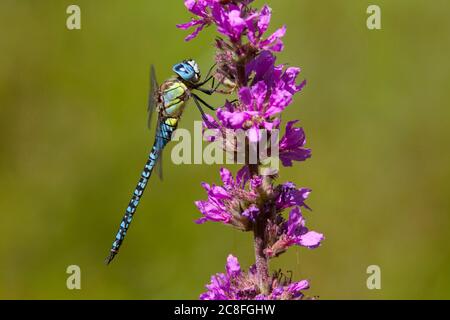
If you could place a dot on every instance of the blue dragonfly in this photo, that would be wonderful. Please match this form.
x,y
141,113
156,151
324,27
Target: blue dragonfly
x,y
169,100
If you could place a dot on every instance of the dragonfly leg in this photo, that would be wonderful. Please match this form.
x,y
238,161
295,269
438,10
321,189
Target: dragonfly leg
x,y
209,91
205,118
208,77
210,70
203,102
204,82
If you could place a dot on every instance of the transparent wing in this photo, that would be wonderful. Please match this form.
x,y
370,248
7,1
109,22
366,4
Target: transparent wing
x,y
159,166
159,162
152,104
152,96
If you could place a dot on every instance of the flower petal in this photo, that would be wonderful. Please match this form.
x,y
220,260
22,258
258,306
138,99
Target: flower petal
x,y
227,177
310,239
233,267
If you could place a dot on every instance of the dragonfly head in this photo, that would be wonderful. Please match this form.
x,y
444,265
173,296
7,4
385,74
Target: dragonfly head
x,y
188,70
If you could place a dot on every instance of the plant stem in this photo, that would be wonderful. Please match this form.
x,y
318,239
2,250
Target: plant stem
x,y
262,263
259,237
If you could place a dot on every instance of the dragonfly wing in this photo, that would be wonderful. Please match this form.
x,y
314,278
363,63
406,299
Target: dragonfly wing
x,y
159,162
152,96
159,166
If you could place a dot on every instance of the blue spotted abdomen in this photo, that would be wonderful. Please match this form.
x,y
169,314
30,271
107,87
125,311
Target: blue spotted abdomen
x,y
166,127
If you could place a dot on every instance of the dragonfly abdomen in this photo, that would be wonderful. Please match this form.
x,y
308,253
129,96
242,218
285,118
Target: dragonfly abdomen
x,y
135,199
163,136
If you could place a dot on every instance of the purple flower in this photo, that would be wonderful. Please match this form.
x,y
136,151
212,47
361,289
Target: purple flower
x,y
200,9
291,291
218,289
228,18
297,286
252,118
233,267
289,196
215,208
256,30
221,285
262,67
234,19
242,177
230,21
269,94
237,284
281,83
291,147
298,234
251,114
294,232
251,212
233,203
256,182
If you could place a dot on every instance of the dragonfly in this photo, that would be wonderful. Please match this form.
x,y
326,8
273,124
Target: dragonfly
x,y
169,100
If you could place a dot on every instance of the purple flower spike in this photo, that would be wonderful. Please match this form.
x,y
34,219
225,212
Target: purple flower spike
x,y
246,66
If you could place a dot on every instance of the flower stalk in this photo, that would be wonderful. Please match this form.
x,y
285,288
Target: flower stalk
x,y
261,261
259,242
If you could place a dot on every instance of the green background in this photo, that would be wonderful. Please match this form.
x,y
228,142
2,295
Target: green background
x,y
73,140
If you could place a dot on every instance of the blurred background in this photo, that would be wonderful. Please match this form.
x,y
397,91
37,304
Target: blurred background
x,y
73,140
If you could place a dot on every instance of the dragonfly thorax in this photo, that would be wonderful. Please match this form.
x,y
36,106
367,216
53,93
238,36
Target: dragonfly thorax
x,y
173,96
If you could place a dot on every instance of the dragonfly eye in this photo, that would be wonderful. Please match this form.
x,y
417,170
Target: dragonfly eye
x,y
194,65
188,70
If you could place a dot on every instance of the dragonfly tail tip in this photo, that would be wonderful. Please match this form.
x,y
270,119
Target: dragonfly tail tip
x,y
110,258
